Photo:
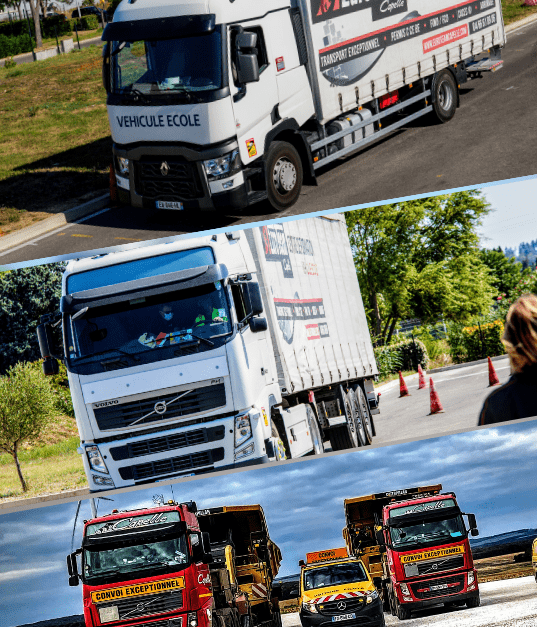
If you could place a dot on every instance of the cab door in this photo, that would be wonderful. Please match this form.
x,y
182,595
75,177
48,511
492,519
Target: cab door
x,y
254,104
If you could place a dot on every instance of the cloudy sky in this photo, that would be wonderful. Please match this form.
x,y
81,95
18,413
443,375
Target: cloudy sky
x,y
514,218
491,470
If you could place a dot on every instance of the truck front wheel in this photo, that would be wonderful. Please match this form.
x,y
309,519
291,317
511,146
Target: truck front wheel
x,y
444,96
284,175
403,612
473,602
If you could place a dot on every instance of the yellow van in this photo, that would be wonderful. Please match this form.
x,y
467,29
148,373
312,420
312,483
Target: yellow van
x,y
336,588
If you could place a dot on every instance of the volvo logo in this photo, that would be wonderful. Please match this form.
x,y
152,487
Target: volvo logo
x,y
341,606
160,407
434,567
164,168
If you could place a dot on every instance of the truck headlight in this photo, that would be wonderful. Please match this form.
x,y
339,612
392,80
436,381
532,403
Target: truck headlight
x,y
222,167
243,429
310,607
371,596
95,459
123,166
192,620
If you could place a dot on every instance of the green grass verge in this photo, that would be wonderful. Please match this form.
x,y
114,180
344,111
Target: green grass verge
x,y
514,10
55,143
47,469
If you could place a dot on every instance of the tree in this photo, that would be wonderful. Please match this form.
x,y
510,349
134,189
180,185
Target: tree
x,y
26,404
37,24
505,273
420,258
26,295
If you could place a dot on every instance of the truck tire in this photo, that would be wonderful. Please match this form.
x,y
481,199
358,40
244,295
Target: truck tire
x,y
402,612
363,417
444,96
316,437
473,602
344,436
283,175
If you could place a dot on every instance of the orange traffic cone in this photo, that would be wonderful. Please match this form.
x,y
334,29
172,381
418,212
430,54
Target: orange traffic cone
x,y
436,405
421,378
113,184
403,390
493,377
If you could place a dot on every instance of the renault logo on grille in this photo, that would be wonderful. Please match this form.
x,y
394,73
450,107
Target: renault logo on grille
x,y
164,168
160,407
341,606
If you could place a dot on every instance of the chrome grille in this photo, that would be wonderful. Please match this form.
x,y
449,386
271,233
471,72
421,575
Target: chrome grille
x,y
195,401
146,605
432,568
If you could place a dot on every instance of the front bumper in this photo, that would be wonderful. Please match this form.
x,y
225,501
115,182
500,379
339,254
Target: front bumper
x,y
184,180
178,452
370,615
424,595
452,598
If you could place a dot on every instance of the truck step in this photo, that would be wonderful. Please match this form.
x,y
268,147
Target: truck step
x,y
484,65
254,197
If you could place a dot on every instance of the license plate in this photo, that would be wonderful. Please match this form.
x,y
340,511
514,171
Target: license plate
x,y
166,204
336,619
190,474
442,586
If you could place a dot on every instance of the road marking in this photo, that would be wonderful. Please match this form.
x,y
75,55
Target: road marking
x,y
54,232
80,235
471,374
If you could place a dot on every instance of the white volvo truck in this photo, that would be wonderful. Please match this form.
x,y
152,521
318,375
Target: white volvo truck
x,y
216,352
223,103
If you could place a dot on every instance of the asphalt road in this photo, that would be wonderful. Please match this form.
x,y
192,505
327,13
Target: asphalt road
x,y
462,392
508,603
491,138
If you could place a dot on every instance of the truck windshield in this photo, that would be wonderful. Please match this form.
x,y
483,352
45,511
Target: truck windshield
x,y
135,560
427,532
148,329
188,65
334,575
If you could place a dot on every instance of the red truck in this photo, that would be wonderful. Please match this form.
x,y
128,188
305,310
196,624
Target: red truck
x,y
415,545
174,566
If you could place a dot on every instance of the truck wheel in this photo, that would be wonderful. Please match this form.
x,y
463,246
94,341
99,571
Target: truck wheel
x,y
444,96
344,436
363,416
316,437
403,613
284,174
473,602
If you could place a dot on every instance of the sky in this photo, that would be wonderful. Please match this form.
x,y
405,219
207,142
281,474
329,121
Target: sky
x,y
514,218
491,470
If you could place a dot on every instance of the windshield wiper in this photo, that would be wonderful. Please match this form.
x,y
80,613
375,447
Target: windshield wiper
x,y
108,350
139,94
203,339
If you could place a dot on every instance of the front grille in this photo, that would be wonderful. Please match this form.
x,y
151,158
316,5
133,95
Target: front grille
x,y
147,605
171,465
432,568
168,443
351,605
195,401
181,181
422,590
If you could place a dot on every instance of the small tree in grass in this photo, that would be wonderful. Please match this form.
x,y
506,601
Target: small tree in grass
x,y
26,404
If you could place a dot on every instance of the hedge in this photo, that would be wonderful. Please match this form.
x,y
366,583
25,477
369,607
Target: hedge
x,y
405,355
10,46
483,341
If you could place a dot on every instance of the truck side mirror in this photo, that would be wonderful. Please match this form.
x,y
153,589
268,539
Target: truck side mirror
x,y
72,569
252,299
51,367
106,67
474,532
247,68
46,348
379,535
258,324
472,523
247,62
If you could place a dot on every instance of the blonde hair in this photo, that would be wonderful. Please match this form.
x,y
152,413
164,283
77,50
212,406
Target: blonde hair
x,y
520,333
